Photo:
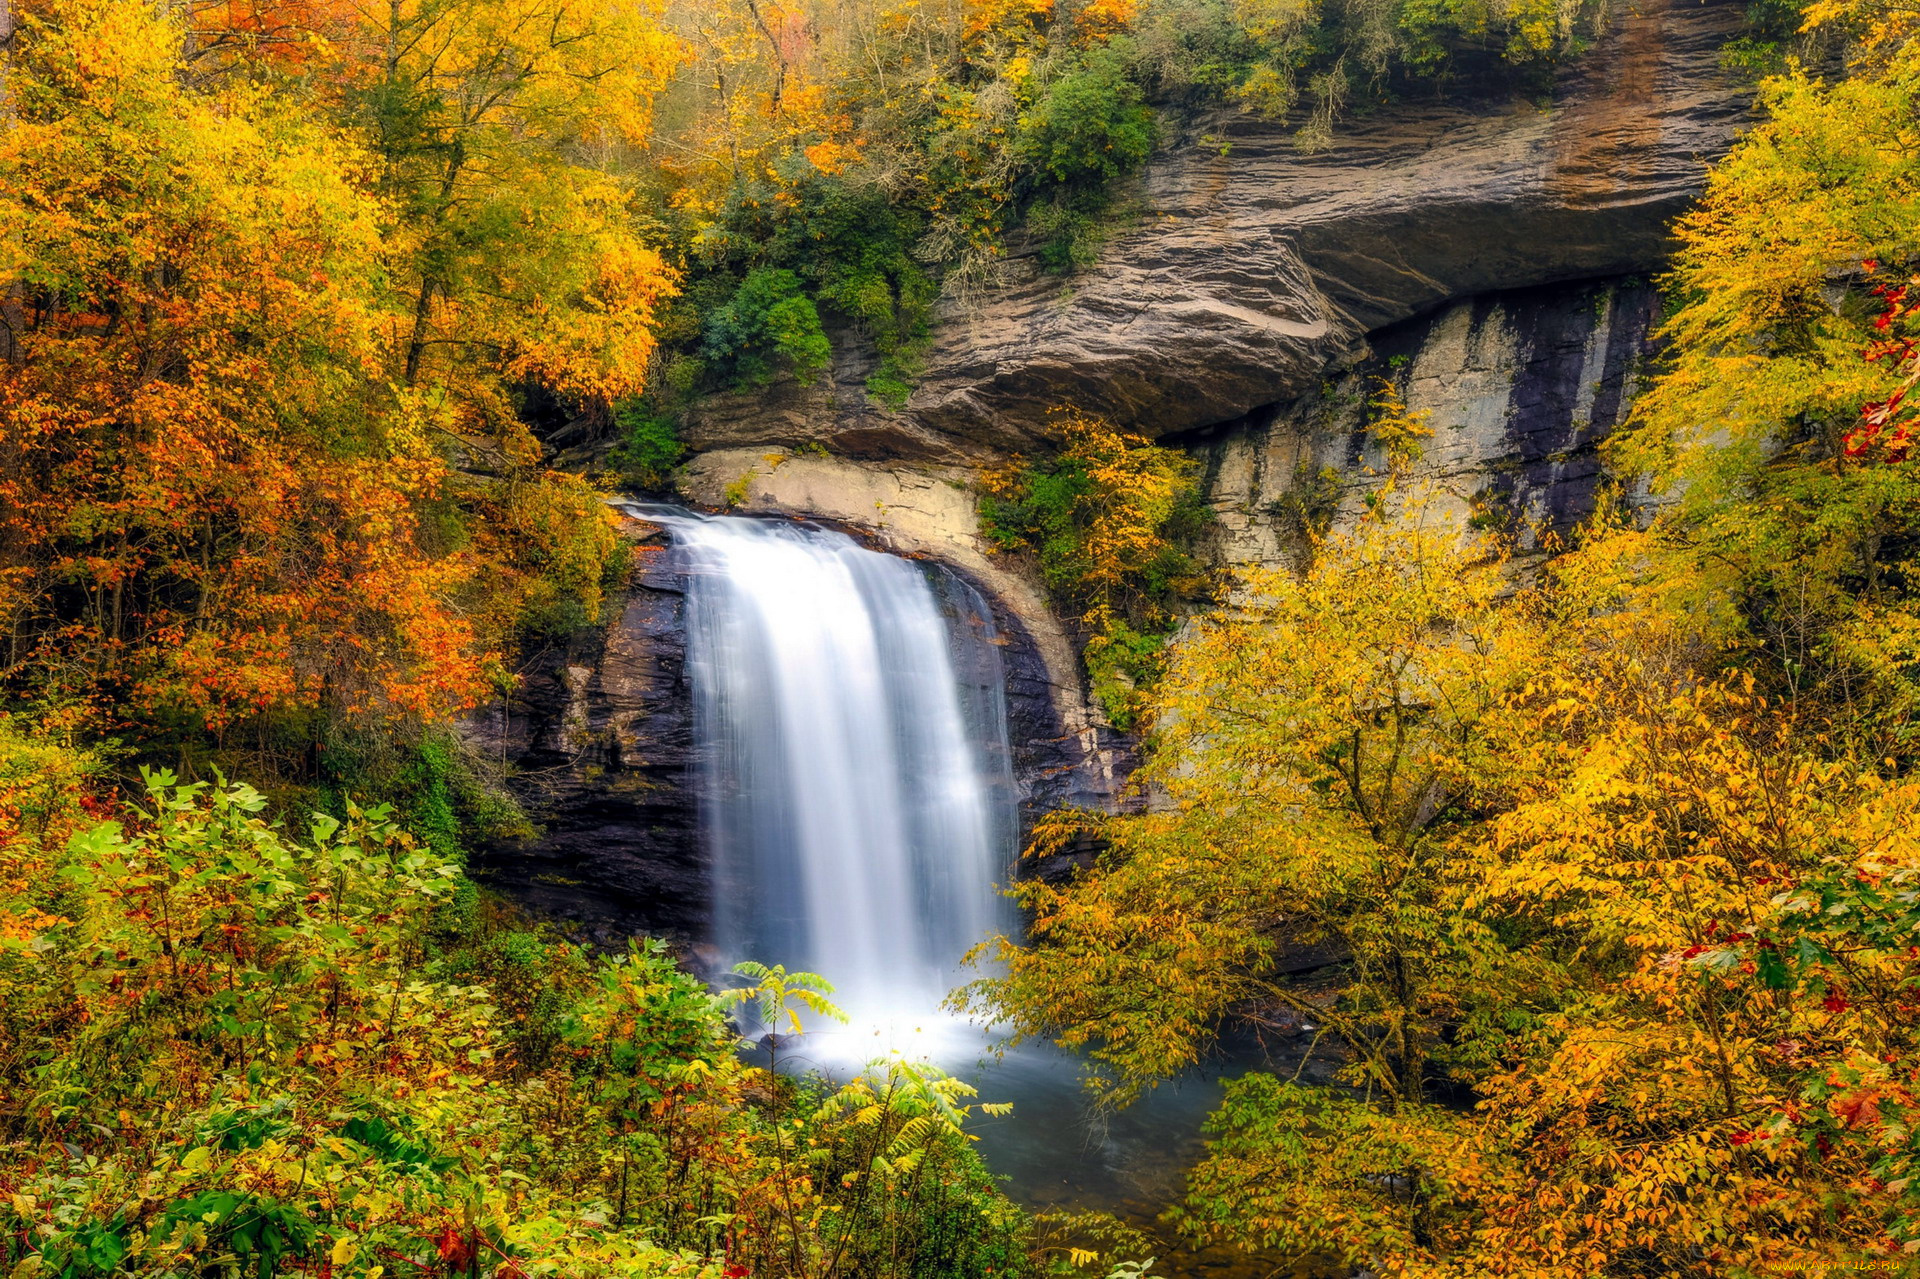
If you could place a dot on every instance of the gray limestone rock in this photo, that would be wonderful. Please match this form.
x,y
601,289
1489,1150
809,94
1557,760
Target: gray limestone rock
x,y
1251,267
1517,389
1254,266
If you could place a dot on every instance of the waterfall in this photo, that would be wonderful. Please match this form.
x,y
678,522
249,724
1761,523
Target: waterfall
x,y
851,726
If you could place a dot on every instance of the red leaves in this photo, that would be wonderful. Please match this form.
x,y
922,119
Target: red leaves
x,y
1883,431
454,1248
1859,1110
1744,1137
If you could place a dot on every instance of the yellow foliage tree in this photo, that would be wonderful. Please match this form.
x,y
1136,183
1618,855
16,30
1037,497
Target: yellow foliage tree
x,y
1552,864
283,282
1314,748
1110,518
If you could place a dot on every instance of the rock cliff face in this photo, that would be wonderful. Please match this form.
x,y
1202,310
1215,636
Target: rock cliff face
x,y
1062,749
1489,259
1517,390
1251,267
599,739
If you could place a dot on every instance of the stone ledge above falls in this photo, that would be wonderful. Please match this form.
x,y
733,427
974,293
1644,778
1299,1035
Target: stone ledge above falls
x,y
1252,267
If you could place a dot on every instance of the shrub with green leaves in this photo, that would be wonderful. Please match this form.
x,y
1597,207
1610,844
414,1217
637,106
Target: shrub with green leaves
x,y
229,1049
1089,126
650,445
445,794
855,247
1111,520
769,324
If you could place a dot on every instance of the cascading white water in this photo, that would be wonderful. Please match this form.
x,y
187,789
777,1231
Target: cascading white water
x,y
852,732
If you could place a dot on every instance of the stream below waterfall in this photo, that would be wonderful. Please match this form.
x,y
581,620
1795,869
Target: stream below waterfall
x,y
859,808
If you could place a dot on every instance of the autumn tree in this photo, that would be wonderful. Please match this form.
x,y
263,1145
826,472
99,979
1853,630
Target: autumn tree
x,y
519,261
1654,1108
1533,839
264,450
1315,744
1779,421
212,505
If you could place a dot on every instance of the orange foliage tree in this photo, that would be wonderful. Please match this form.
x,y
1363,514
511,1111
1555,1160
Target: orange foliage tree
x,y
260,444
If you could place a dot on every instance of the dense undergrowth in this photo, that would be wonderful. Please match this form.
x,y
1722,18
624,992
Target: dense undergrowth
x,y
232,1047
1111,522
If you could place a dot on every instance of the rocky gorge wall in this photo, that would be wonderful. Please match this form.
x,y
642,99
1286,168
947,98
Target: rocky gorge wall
x,y
597,745
1516,390
1247,268
1491,259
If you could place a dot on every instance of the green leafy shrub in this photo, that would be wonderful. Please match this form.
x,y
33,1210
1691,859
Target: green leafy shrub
x,y
650,445
1069,232
855,246
450,799
1090,125
228,1049
767,323
1111,520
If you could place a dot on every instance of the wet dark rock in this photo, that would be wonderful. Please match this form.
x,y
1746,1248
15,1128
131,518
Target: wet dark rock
x,y
1053,766
599,743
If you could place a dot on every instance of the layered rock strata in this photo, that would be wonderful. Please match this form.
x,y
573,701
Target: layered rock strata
x,y
1249,268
